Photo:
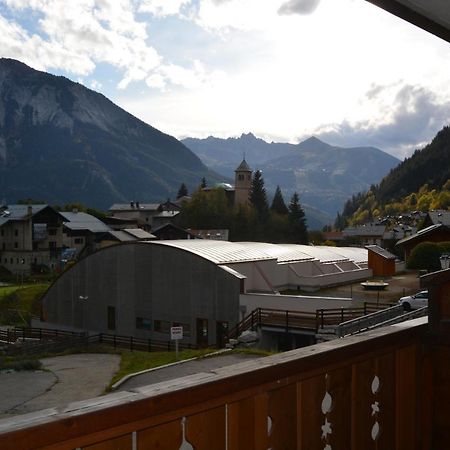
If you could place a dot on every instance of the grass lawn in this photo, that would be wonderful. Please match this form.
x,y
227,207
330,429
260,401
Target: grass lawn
x,y
19,303
7,290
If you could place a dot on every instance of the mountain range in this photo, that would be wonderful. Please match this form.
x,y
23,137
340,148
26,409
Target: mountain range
x,y
420,182
62,142
325,176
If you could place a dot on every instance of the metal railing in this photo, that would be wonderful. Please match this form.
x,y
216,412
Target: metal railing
x,y
302,320
389,316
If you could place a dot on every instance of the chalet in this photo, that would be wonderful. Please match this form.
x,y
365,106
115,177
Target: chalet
x,y
141,212
433,233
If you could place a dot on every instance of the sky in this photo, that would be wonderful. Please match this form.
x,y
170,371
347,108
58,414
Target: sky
x,y
342,70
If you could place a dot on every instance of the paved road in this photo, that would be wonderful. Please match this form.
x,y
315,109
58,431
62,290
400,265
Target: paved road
x,y
67,379
72,378
186,368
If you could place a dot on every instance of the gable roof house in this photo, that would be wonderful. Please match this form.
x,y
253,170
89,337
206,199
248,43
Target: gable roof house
x,y
143,213
30,237
433,233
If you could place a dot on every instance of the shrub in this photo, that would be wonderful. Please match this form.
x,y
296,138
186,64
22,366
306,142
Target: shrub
x,y
425,256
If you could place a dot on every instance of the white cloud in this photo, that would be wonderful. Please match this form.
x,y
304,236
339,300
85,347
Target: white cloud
x,y
410,116
76,36
162,8
96,85
33,50
298,7
244,15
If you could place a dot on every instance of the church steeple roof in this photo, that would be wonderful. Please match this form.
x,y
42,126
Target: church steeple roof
x,y
243,167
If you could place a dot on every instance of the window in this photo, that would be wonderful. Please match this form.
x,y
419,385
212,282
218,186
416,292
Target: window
x,y
78,240
240,177
52,232
2,232
16,232
52,244
143,323
111,318
162,326
16,245
3,246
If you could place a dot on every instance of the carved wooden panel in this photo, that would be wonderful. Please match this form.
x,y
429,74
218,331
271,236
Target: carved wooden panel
x,y
120,443
206,430
282,418
167,436
325,411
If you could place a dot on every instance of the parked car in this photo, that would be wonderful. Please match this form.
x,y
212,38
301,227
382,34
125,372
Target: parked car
x,y
415,301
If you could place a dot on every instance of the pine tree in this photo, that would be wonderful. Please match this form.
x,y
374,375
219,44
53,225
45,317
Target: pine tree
x,y
203,183
258,197
278,204
297,221
182,191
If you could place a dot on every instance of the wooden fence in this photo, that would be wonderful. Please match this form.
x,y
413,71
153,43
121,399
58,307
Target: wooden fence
x,y
40,340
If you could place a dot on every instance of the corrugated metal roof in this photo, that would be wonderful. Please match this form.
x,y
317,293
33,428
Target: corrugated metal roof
x,y
283,252
356,254
224,252
326,254
218,252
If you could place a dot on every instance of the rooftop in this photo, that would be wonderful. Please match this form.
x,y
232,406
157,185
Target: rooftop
x,y
82,221
134,206
225,252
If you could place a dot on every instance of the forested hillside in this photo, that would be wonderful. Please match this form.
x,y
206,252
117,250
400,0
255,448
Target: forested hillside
x,y
421,182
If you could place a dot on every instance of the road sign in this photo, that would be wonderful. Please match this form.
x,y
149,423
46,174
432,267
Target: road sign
x,y
176,333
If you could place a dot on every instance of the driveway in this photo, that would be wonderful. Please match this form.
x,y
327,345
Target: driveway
x,y
66,379
184,369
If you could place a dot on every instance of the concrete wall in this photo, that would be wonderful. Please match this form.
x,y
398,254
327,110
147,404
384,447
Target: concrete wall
x,y
292,302
153,282
268,276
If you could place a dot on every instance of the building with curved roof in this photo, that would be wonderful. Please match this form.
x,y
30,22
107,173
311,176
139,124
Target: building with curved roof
x,y
143,288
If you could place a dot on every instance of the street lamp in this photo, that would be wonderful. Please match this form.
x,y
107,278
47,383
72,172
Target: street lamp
x,y
445,261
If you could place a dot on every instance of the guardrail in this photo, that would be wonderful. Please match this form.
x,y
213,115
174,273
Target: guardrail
x,y
389,316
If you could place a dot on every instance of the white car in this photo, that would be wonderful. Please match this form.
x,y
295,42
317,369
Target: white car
x,y
415,301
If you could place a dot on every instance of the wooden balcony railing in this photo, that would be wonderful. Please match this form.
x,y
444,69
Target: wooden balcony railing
x,y
370,391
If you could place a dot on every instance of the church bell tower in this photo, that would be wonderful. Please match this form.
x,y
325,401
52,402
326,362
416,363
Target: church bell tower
x,y
242,183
